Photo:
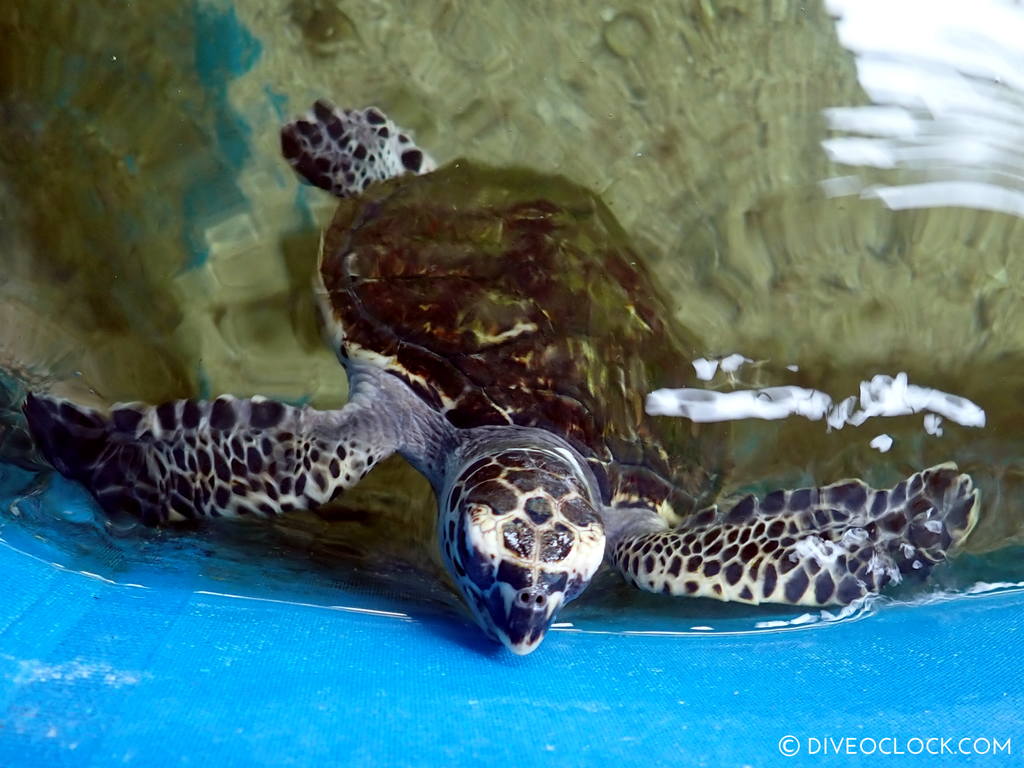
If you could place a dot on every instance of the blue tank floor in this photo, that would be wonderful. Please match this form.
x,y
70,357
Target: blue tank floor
x,y
96,674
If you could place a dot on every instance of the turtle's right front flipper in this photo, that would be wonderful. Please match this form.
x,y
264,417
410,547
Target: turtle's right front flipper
x,y
810,546
226,457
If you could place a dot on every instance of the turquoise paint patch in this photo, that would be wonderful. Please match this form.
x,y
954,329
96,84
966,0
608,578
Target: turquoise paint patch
x,y
130,228
277,101
224,50
224,47
74,65
302,204
205,202
131,164
203,383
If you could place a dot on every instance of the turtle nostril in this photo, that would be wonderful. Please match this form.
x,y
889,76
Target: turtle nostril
x,y
531,597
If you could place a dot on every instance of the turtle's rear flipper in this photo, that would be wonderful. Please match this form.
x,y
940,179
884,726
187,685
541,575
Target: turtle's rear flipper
x,y
812,546
345,150
226,457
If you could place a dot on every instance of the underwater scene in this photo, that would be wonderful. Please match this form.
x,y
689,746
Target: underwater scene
x,y
841,245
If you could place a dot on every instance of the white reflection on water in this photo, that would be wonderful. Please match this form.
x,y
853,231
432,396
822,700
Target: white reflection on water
x,y
881,443
706,368
947,82
879,396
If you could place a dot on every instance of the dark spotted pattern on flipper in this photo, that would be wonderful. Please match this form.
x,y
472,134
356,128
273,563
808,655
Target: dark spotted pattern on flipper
x,y
345,150
811,546
189,459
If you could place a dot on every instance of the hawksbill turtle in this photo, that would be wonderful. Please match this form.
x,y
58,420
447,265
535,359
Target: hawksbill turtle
x,y
499,332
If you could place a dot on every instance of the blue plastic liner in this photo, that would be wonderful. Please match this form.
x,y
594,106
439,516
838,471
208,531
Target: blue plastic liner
x,y
98,674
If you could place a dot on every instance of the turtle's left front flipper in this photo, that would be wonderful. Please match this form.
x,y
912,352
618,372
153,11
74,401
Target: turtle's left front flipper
x,y
226,457
812,546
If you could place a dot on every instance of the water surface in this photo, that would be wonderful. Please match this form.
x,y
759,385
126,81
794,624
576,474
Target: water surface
x,y
155,246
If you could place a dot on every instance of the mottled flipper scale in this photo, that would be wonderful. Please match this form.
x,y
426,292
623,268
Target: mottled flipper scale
x,y
812,546
345,150
226,457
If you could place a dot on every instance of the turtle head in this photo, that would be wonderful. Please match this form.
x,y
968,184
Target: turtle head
x,y
521,538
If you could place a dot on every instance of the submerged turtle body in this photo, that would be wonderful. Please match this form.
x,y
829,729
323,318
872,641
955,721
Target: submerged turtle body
x,y
511,297
500,334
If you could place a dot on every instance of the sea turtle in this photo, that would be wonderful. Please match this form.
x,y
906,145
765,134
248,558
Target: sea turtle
x,y
500,334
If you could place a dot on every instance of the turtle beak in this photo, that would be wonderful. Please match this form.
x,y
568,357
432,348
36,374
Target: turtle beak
x,y
521,626
514,601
